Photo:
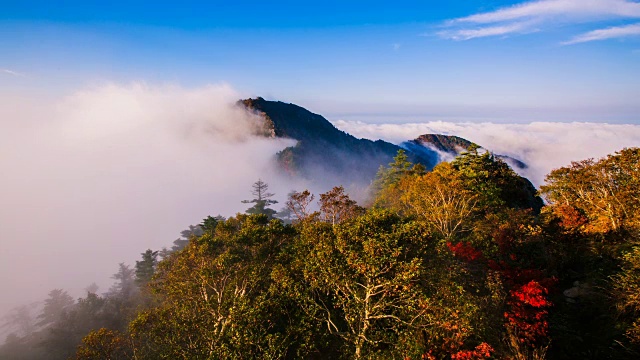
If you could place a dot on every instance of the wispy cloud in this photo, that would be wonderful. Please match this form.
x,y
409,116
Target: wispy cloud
x,y
467,34
11,72
531,15
550,8
608,33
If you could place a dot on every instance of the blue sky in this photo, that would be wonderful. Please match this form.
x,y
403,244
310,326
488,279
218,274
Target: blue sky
x,y
501,61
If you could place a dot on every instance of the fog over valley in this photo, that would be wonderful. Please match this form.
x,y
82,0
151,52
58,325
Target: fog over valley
x,y
543,146
96,177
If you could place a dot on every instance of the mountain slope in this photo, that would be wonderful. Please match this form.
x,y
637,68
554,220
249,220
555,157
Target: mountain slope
x,y
323,151
327,154
437,148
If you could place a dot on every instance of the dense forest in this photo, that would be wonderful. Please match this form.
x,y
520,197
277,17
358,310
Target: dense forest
x,y
462,262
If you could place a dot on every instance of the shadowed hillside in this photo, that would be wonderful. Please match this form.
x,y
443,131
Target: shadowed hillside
x,y
322,150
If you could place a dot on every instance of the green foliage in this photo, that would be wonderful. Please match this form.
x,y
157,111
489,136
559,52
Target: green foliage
x,y
360,274
457,263
216,300
104,344
146,267
383,188
494,182
627,289
262,200
593,215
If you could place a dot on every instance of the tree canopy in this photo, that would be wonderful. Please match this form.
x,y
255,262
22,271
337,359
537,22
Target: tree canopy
x,y
462,262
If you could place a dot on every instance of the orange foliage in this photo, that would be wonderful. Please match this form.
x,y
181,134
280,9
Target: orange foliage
x,y
482,351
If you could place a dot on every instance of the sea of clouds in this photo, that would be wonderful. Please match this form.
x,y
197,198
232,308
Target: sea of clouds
x,y
95,177
543,146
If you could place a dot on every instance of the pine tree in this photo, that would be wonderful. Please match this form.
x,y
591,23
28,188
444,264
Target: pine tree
x,y
262,200
146,267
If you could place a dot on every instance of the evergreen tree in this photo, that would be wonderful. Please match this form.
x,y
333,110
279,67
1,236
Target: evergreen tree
x,y
55,306
146,267
209,224
262,200
124,287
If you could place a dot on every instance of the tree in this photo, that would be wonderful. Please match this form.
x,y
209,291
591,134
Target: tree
x,y
104,344
20,319
262,200
336,206
125,286
494,182
216,299
384,185
146,267
439,198
627,290
209,224
299,204
605,192
55,306
186,235
362,273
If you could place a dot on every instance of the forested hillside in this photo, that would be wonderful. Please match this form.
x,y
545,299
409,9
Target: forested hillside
x,y
461,262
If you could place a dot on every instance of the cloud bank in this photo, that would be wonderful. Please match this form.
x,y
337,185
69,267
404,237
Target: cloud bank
x,y
543,146
97,177
535,15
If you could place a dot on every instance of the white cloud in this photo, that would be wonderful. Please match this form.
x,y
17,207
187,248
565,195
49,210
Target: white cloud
x,y
11,72
525,16
467,34
542,145
608,33
549,8
99,176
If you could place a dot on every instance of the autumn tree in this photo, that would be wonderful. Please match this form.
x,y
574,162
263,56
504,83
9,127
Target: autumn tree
x,y
337,206
604,191
361,273
593,210
440,198
299,204
104,344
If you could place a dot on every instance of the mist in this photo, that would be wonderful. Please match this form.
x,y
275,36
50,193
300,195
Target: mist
x,y
94,177
543,146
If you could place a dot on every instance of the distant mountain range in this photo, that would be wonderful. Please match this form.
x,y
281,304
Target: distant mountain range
x,y
324,151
